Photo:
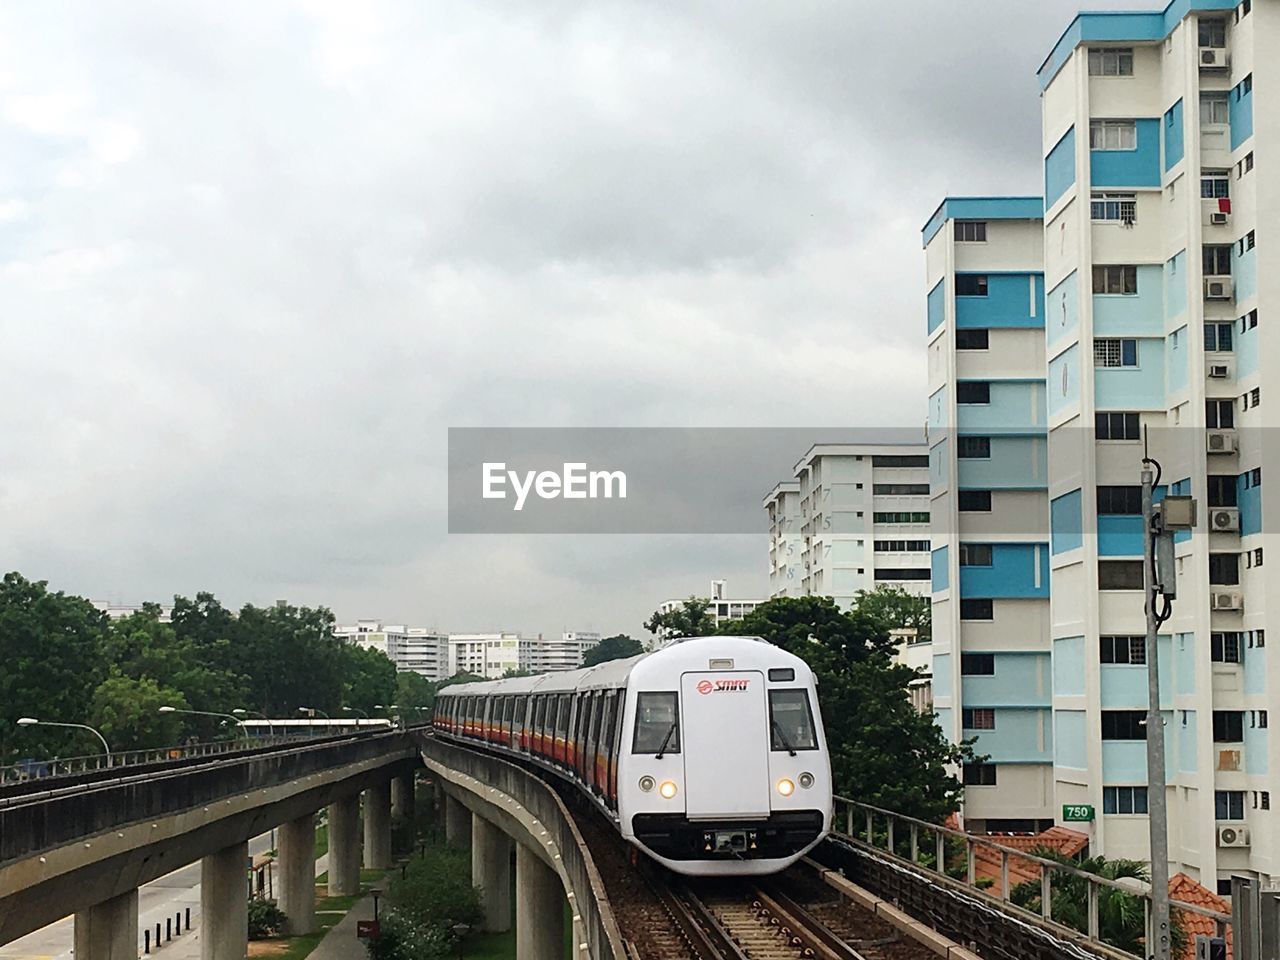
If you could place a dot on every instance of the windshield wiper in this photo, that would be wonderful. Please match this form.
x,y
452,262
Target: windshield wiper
x,y
667,739
783,737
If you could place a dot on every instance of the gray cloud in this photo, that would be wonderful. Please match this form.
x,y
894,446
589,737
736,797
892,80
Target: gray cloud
x,y
257,258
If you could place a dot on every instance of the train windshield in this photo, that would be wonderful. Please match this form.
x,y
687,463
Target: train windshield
x,y
657,724
791,721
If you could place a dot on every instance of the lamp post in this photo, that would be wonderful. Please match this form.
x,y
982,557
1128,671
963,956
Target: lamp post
x,y
33,722
363,713
314,710
204,713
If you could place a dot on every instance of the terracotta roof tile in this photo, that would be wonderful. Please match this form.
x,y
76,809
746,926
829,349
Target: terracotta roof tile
x,y
1186,890
987,860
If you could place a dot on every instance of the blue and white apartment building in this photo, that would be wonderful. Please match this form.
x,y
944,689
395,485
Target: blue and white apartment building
x,y
1127,299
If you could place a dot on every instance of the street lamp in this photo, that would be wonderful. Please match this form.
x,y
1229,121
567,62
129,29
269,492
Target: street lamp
x,y
241,712
363,713
204,713
314,710
32,722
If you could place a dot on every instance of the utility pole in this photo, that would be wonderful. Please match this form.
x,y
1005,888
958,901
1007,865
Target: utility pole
x,y
1160,575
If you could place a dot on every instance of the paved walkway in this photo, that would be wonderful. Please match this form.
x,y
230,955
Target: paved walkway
x,y
340,943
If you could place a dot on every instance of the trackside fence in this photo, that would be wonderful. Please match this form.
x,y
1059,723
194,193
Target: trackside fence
x,y
931,871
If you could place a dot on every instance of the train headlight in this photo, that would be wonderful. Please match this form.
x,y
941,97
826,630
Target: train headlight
x,y
646,784
806,780
786,787
667,789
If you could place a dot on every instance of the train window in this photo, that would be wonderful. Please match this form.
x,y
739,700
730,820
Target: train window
x,y
539,714
782,675
791,721
657,724
562,718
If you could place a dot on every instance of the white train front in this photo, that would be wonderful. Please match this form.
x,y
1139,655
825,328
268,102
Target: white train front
x,y
708,754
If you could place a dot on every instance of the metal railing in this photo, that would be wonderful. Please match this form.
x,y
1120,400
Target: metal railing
x,y
953,854
26,770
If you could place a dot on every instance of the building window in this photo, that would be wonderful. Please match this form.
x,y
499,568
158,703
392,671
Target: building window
x,y
899,460
1245,243
1228,804
1115,279
1117,426
979,775
1124,725
1259,638
1252,478
1124,800
1258,719
971,284
1228,726
1213,109
1224,569
1113,135
1122,649
1111,62
1114,208
1217,260
1222,490
975,555
1213,32
903,573
973,448
971,231
974,501
1249,321
972,340
901,546
900,516
973,391
1224,647
975,609
1219,337
1122,501
978,719
1215,184
1115,352
900,489
1219,414
1245,165
1120,574
977,664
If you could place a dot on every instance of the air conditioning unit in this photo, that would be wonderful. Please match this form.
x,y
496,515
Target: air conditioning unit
x,y
1224,519
1219,219
1213,58
1218,288
1225,600
1219,371
1220,441
1233,836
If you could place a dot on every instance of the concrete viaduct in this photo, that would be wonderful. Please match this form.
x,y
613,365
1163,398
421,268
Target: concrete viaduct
x,y
85,844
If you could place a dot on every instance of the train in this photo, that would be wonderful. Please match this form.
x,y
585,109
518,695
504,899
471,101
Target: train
x,y
707,754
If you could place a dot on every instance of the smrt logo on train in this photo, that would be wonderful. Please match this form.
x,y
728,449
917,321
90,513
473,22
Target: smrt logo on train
x,y
722,686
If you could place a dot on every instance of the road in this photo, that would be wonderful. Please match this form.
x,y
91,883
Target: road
x,y
157,901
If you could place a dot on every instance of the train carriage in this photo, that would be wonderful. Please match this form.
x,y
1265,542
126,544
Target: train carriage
x,y
708,754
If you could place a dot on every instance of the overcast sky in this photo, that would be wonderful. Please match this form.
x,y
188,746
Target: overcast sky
x,y
256,258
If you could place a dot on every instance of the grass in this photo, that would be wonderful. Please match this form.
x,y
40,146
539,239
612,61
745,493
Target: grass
x,y
322,840
329,913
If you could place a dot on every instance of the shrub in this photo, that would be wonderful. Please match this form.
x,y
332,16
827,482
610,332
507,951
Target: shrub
x,y
404,940
265,918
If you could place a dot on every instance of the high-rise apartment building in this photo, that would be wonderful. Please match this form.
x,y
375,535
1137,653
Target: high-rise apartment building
x,y
415,649
782,505
992,675
1157,197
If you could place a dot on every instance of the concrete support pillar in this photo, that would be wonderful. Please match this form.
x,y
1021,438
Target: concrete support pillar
x,y
297,890
539,908
108,930
224,904
344,846
457,823
491,872
402,798
377,826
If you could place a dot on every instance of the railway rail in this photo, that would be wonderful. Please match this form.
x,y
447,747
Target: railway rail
x,y
790,916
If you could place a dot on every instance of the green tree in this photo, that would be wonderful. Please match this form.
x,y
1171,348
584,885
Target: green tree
x,y
883,751
690,619
290,658
414,691
127,712
369,678
617,647
49,644
1121,915
893,608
